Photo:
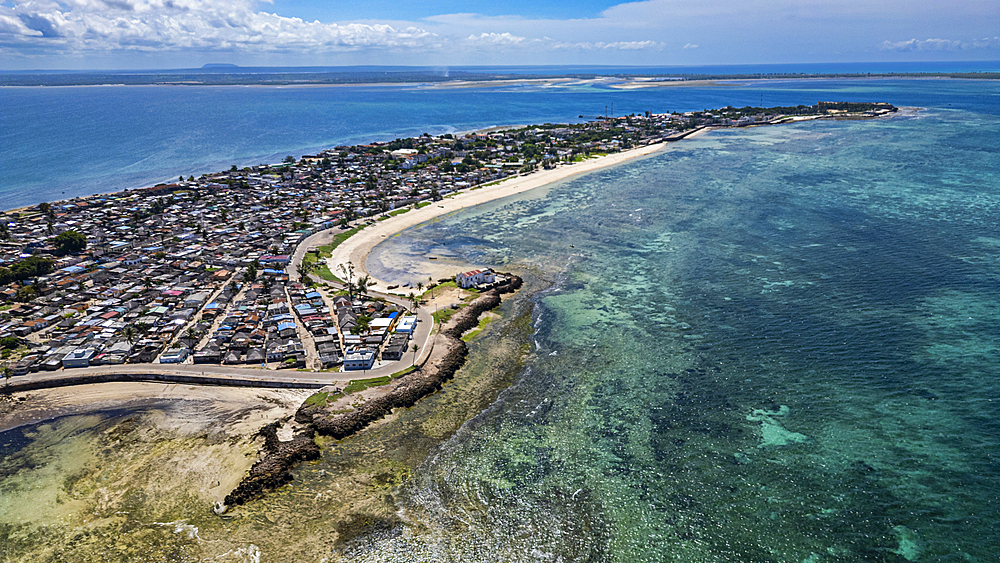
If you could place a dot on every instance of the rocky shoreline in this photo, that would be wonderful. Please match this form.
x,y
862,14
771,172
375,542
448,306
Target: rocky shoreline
x,y
277,459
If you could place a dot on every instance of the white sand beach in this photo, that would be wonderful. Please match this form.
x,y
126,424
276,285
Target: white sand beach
x,y
356,249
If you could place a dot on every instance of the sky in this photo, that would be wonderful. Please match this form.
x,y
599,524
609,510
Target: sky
x,y
171,34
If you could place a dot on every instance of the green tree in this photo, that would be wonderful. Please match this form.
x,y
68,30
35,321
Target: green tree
x,y
348,272
251,273
364,282
47,210
69,242
131,334
415,348
191,335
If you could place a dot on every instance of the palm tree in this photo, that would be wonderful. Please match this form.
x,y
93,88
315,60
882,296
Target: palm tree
x,y
191,335
348,272
131,334
363,283
413,300
414,348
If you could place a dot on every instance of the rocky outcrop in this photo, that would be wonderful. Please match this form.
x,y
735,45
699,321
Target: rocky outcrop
x,y
449,354
273,469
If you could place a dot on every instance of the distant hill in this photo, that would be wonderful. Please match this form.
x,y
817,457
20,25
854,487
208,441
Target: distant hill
x,y
219,65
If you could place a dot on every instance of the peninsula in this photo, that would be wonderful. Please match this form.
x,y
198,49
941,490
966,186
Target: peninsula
x,y
257,277
239,274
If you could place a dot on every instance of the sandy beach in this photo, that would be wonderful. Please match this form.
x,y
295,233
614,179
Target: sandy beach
x,y
356,249
244,409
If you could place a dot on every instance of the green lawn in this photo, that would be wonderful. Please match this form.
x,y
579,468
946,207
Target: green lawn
x,y
403,372
324,272
361,384
341,237
483,323
442,315
321,399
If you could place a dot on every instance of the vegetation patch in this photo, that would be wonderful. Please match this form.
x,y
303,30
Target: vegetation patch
x,y
483,323
339,238
323,271
357,385
442,316
403,372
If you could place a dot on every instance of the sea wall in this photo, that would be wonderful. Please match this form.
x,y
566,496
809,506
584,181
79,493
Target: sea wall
x,y
273,468
449,354
190,379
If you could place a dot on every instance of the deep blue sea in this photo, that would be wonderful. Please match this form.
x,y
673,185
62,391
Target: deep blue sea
x,y
64,142
777,344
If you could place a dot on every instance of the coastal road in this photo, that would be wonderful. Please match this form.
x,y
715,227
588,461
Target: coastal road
x,y
207,374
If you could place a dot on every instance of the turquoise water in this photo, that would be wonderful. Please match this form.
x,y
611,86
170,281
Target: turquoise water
x,y
772,344
777,344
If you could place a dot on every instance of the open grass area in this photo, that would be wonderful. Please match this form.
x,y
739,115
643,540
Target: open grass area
x,y
320,399
483,323
402,372
341,237
423,204
324,272
441,316
361,384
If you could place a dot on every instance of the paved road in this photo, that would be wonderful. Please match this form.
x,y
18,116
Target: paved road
x,y
425,321
208,374
212,374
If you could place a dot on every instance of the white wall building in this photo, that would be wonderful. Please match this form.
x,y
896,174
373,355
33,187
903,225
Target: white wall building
x,y
473,278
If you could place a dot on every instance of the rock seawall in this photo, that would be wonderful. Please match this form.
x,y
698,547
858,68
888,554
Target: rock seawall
x,y
448,355
273,469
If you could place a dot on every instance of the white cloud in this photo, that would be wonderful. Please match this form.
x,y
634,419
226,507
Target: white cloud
x,y
939,44
155,25
504,38
602,46
920,45
985,43
634,32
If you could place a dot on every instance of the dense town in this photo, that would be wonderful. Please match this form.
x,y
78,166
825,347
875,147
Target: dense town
x,y
201,270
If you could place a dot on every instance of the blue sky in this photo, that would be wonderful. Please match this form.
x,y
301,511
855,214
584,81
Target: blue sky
x,y
140,34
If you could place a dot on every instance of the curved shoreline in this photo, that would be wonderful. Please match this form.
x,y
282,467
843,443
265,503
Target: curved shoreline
x,y
357,248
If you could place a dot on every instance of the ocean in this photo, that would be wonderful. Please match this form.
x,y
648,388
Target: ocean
x,y
775,344
63,142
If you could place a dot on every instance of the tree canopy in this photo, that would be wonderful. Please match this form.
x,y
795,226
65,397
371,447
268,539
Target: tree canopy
x,y
69,241
30,267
